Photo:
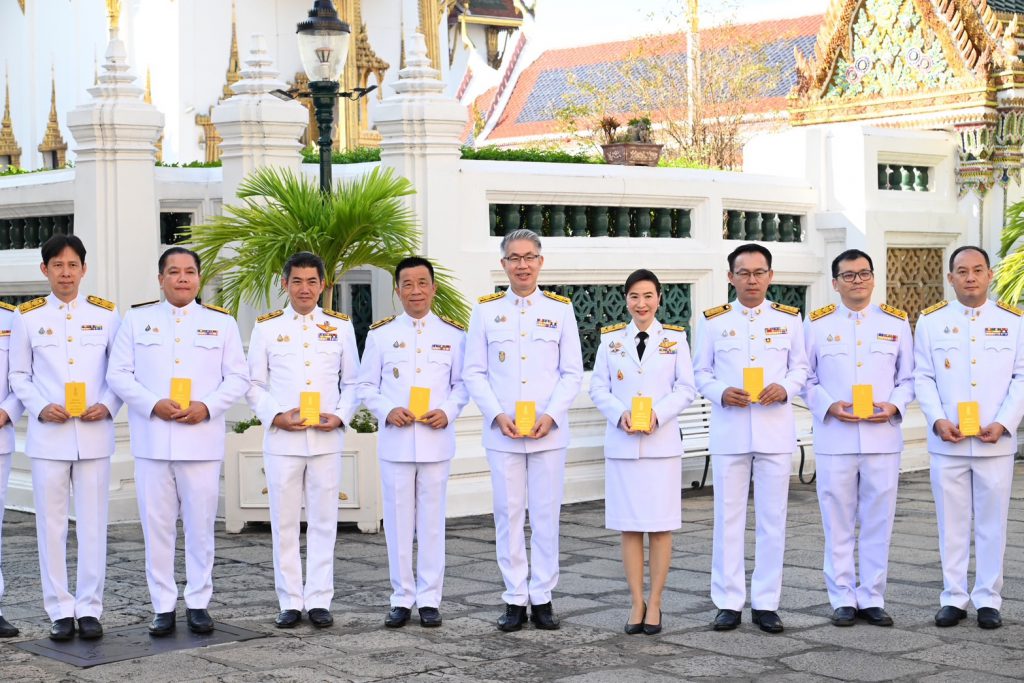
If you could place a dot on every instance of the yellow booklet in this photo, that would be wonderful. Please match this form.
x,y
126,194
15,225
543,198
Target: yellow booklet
x,y
526,416
181,391
74,398
753,382
309,407
641,413
970,418
863,400
419,401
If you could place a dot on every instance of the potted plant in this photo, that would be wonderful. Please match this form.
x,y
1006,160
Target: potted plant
x,y
633,147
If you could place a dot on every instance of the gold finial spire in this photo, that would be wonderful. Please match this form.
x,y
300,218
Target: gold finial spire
x,y
21,3
148,96
53,147
114,14
95,70
8,143
233,74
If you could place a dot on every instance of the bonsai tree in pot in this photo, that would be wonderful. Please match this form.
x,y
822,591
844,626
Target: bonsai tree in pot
x,y
634,147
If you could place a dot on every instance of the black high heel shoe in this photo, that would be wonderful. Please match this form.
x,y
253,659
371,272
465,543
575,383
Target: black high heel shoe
x,y
653,629
633,629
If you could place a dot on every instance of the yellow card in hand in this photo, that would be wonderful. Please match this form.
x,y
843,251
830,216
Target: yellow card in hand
x,y
74,398
640,413
753,382
419,401
526,416
863,400
309,407
181,391
970,418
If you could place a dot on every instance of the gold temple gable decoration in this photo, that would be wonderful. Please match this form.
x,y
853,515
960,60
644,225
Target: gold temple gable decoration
x,y
53,147
430,27
367,64
8,143
148,99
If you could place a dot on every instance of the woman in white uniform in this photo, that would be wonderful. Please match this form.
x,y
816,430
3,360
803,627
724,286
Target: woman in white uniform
x,y
643,467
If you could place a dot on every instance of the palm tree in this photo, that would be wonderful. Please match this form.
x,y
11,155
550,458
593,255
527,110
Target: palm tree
x,y
363,222
1009,273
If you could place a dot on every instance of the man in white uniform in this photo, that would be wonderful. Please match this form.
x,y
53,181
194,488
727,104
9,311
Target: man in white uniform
x,y
523,346
10,412
968,359
59,342
858,456
750,431
192,352
416,351
303,348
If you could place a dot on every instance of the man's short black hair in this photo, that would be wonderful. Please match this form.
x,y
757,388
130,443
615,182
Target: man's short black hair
x,y
59,242
643,275
177,250
304,259
750,249
413,262
850,255
968,247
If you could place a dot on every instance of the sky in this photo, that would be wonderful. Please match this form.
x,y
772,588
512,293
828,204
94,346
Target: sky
x,y
568,23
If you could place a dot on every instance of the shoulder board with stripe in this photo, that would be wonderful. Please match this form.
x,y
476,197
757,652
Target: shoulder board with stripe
x,y
32,305
454,323
674,328
382,322
270,316
935,307
894,312
792,310
102,303
717,311
613,328
146,303
217,308
558,297
822,312
490,297
1010,308
335,314
8,307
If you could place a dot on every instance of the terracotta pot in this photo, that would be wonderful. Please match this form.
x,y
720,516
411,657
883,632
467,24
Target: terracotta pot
x,y
632,153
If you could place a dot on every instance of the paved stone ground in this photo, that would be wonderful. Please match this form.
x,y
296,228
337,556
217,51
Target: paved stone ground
x,y
591,600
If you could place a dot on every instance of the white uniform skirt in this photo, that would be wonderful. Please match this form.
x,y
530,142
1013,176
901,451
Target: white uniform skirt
x,y
644,494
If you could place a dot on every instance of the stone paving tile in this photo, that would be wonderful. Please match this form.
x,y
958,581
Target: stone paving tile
x,y
847,665
754,644
976,656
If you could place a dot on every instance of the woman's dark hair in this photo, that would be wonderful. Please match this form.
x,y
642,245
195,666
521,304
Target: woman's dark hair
x,y
643,275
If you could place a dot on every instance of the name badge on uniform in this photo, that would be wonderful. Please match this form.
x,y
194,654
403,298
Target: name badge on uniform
x,y
92,328
882,336
207,333
327,336
768,331
440,347
5,333
544,322
616,347
997,332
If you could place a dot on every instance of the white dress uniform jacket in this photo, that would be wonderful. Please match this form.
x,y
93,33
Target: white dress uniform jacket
x,y
844,347
523,349
289,354
665,374
9,402
53,343
159,341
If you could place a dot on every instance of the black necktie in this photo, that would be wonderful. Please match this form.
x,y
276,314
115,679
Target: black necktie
x,y
641,344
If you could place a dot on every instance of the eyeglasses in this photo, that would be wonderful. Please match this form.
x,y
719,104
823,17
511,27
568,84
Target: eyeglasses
x,y
756,274
863,276
516,259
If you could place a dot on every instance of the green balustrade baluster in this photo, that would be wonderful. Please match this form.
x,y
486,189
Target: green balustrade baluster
x,y
620,221
31,232
643,222
734,225
786,231
907,178
599,221
46,224
894,177
771,227
492,220
883,177
921,181
662,223
509,218
798,232
578,222
753,226
17,233
5,234
684,226
535,218
557,220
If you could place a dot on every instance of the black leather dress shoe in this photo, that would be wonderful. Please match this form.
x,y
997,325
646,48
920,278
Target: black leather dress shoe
x,y
63,629
949,616
726,620
89,628
430,617
767,620
843,616
876,616
162,624
7,629
988,617
543,617
397,617
633,629
653,629
288,618
513,618
320,617
199,620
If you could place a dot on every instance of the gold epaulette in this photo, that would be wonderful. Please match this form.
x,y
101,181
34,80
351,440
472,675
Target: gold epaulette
x,y
217,308
894,312
717,311
270,316
8,307
674,328
822,312
335,314
146,303
558,297
490,297
102,303
382,322
454,323
1010,308
32,305
792,310
613,328
935,307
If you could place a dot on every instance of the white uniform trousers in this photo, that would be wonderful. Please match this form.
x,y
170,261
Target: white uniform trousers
x,y
291,478
166,490
53,482
856,488
414,507
5,474
963,485
771,500
520,480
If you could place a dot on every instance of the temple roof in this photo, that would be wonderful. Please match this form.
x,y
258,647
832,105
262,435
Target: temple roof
x,y
485,9
1009,6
